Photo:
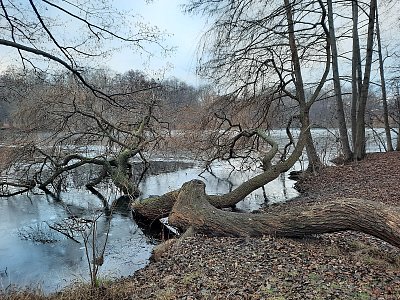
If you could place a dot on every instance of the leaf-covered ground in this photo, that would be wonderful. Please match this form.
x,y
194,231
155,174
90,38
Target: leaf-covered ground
x,y
326,267
331,266
375,178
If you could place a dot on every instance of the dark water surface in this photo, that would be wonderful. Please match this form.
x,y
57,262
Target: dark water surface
x,y
36,255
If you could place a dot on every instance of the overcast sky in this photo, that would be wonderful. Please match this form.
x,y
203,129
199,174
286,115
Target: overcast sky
x,y
184,32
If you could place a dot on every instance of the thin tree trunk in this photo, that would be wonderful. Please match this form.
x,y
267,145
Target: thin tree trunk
x,y
356,73
359,150
192,210
383,87
314,162
398,138
398,119
344,139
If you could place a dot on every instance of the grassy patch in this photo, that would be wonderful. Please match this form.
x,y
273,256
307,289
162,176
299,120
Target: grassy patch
x,y
362,296
166,294
191,277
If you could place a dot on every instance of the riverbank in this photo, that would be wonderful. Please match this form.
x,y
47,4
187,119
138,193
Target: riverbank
x,y
331,266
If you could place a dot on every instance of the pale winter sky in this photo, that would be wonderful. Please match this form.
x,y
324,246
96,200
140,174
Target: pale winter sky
x,y
184,31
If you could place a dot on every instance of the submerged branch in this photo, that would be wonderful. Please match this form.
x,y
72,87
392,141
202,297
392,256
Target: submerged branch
x,y
23,188
158,207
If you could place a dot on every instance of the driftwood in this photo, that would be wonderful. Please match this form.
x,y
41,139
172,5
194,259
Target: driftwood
x,y
192,209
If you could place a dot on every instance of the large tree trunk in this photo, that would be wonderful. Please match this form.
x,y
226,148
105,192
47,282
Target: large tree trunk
x,y
121,173
192,210
314,162
356,73
359,150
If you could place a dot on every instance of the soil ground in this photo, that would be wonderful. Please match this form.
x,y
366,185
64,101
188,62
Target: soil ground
x,y
346,265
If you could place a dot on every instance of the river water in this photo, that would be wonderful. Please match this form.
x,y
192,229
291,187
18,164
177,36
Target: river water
x,y
32,254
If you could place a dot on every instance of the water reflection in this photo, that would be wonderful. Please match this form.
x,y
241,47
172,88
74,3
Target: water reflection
x,y
55,265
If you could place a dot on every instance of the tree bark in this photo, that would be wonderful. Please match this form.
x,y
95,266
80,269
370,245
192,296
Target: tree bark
x,y
156,207
192,209
359,150
398,121
121,174
383,87
356,73
344,139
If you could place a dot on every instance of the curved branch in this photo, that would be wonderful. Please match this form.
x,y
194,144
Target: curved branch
x,y
47,55
260,180
158,207
328,56
266,160
64,167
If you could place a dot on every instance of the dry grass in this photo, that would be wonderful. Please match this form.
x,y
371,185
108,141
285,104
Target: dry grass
x,y
6,157
77,292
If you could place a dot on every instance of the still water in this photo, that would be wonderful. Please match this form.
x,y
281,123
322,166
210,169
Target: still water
x,y
35,255
32,254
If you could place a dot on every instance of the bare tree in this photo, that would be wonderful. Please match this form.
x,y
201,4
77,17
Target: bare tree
x,y
344,139
74,121
383,86
237,119
259,51
255,49
81,107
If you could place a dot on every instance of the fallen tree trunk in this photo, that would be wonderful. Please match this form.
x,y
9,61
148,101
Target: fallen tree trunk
x,y
192,209
155,208
158,207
